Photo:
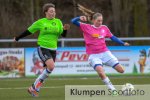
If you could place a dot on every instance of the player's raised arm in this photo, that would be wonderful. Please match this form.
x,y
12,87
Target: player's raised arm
x,y
115,39
77,20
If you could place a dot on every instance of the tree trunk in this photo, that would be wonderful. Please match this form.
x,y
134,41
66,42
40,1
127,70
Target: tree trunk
x,y
32,10
75,8
116,7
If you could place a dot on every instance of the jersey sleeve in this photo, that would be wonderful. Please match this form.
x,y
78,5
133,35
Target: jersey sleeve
x,y
108,34
34,27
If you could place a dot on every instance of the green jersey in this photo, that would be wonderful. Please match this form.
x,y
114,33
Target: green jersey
x,y
50,30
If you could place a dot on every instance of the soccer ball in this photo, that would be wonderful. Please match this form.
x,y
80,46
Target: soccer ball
x,y
127,89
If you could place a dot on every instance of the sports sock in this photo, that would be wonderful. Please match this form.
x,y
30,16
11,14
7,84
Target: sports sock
x,y
108,83
38,82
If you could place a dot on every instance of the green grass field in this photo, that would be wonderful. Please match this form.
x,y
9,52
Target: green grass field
x,y
54,88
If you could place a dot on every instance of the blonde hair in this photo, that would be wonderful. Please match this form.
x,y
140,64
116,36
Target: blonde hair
x,y
88,12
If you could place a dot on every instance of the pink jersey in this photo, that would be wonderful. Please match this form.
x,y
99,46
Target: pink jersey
x,y
95,38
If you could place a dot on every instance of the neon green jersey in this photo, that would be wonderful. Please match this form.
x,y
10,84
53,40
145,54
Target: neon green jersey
x,y
50,30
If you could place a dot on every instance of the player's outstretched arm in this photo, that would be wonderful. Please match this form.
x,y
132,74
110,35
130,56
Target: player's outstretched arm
x,y
115,39
22,35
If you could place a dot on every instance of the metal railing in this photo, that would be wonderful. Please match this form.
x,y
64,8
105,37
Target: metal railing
x,y
63,40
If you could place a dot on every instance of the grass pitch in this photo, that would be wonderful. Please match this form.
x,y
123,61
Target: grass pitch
x,y
54,88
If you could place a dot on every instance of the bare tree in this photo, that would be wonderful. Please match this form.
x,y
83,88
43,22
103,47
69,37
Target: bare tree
x,y
121,14
75,8
127,7
141,18
32,10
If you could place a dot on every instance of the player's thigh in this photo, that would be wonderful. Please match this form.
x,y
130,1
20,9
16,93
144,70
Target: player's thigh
x,y
95,61
113,62
110,60
47,56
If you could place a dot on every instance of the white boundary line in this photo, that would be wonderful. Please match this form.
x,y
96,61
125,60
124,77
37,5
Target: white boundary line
x,y
21,88
83,78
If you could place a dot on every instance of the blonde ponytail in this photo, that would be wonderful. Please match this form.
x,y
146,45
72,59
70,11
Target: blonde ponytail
x,y
87,12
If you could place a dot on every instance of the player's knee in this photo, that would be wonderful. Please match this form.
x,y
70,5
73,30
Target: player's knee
x,y
121,70
50,67
102,74
100,71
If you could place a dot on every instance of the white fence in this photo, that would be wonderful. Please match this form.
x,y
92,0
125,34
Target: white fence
x,y
64,40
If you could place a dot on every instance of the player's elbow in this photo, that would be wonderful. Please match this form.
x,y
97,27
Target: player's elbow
x,y
73,21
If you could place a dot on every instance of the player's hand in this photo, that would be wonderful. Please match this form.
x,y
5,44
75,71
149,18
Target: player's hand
x,y
66,26
15,40
83,18
126,44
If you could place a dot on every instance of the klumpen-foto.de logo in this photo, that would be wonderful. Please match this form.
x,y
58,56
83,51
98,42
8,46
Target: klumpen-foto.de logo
x,y
96,92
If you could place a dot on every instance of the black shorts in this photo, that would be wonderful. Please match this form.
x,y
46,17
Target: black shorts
x,y
46,54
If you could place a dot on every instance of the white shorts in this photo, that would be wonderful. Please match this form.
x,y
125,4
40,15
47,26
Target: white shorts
x,y
103,58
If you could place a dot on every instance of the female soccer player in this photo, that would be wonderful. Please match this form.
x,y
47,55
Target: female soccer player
x,y
94,36
50,29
